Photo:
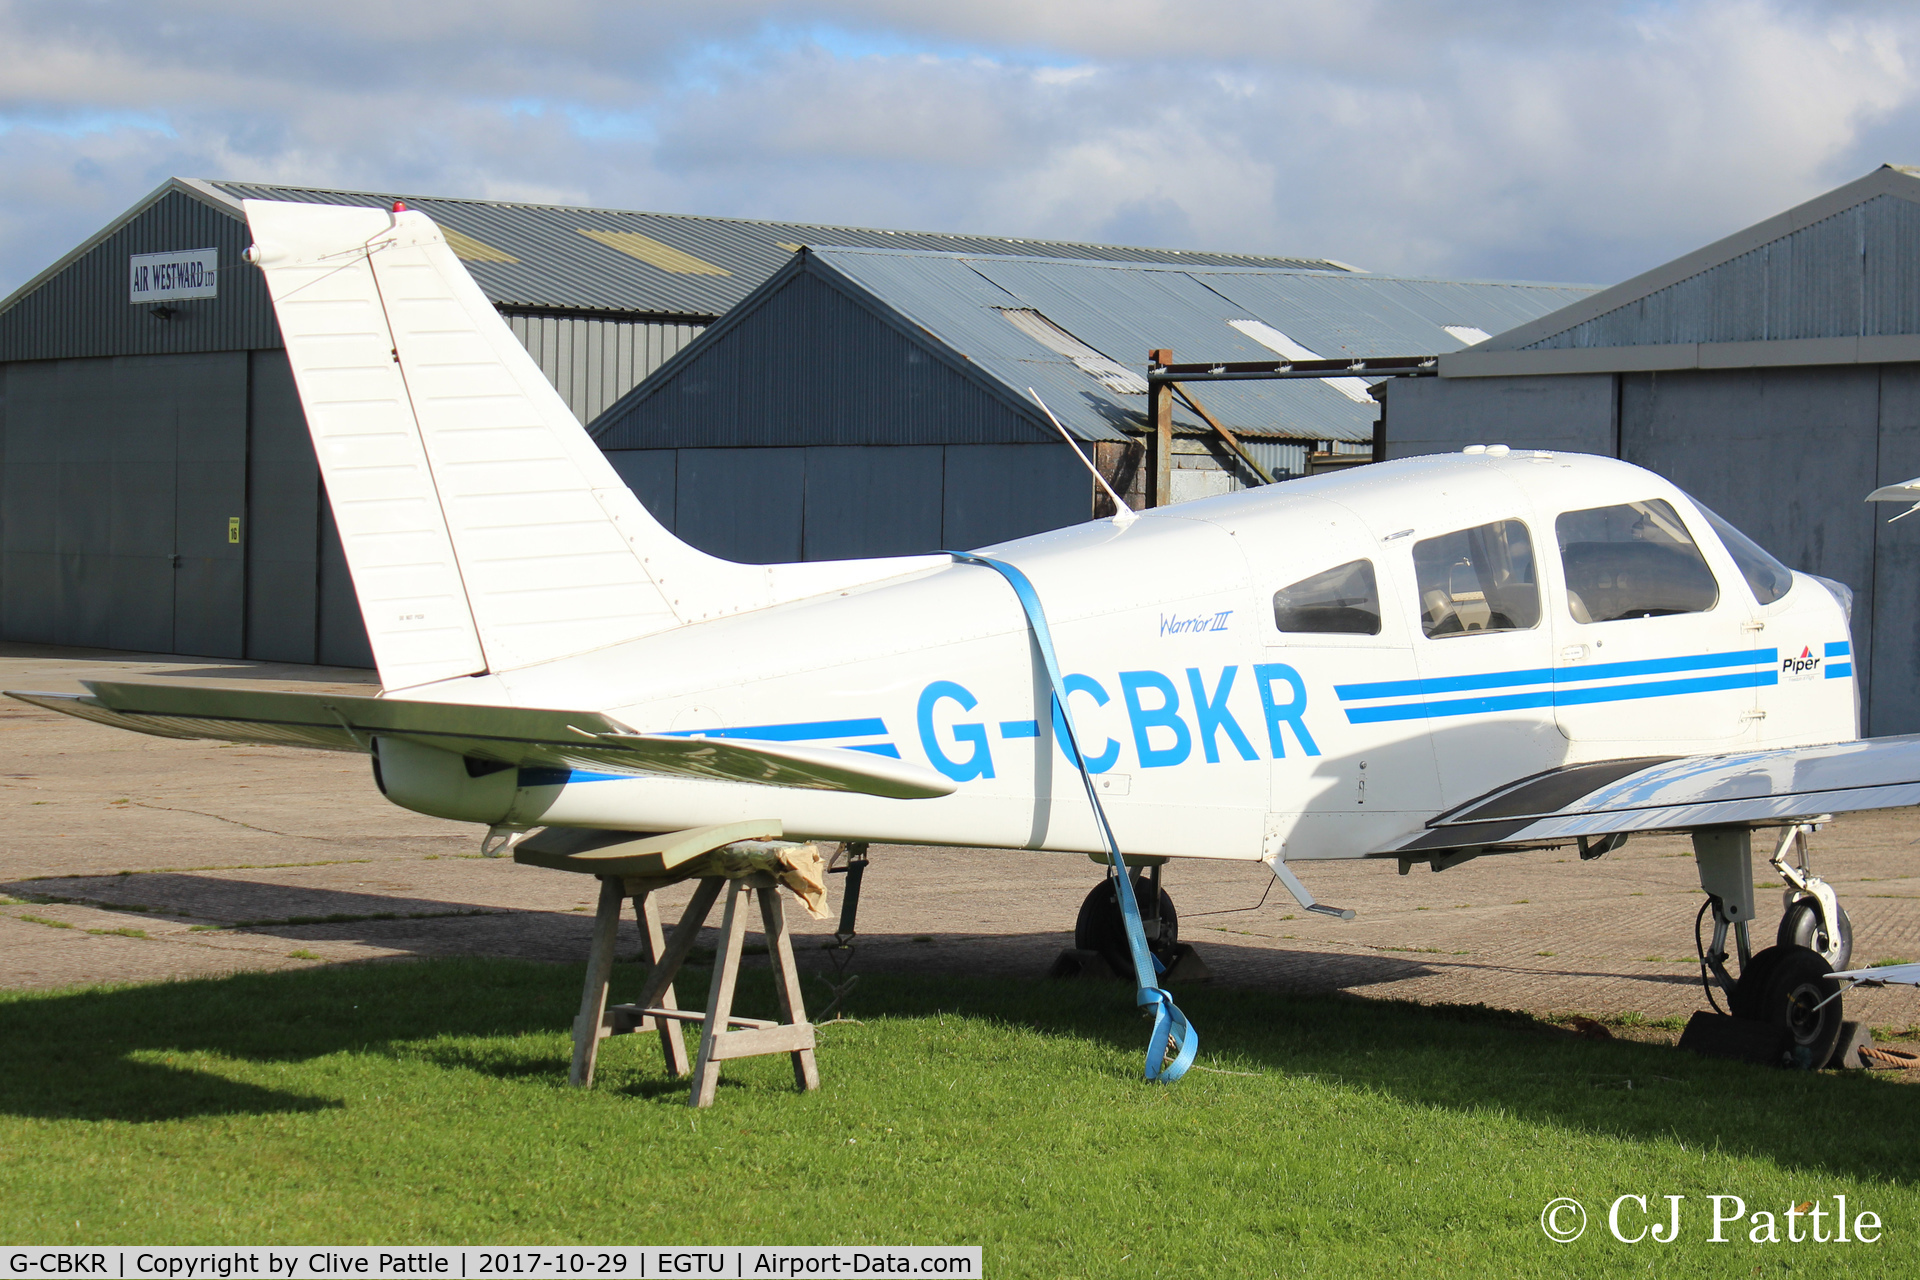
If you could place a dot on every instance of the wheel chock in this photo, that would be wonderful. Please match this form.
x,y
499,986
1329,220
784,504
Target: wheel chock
x,y
1715,1035
1185,965
1074,963
1853,1038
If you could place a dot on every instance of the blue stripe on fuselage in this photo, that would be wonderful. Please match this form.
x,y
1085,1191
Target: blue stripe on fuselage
x,y
1552,675
1557,694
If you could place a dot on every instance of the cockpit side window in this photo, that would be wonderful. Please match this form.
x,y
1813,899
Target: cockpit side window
x,y
1343,600
1633,560
1766,577
1477,580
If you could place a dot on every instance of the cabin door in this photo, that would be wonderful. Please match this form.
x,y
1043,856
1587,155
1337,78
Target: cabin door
x,y
1649,647
1484,650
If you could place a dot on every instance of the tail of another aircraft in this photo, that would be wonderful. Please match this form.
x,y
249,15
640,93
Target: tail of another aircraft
x,y
484,530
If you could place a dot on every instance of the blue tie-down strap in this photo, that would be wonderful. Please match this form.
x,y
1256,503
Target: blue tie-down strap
x,y
1171,1030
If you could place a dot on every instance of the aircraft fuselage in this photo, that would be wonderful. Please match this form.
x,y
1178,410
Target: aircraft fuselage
x,y
1213,731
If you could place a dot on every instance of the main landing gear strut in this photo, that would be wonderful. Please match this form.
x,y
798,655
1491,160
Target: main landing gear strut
x,y
1099,930
1787,985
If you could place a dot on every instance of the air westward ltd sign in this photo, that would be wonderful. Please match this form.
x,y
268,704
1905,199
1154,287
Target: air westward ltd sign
x,y
176,276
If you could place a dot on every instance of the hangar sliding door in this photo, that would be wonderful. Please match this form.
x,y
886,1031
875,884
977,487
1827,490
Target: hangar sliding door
x,y
209,505
122,475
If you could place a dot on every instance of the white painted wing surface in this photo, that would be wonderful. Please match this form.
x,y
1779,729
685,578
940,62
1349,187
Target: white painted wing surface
x,y
1680,794
777,764
520,736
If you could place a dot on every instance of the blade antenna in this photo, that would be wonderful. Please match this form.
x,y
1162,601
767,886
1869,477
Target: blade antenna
x,y
1123,514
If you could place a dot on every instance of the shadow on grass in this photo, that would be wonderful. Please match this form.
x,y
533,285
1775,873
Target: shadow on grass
x,y
88,1054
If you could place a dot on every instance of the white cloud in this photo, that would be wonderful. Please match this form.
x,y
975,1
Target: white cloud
x,y
1499,139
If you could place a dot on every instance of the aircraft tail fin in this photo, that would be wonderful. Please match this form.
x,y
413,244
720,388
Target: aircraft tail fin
x,y
484,530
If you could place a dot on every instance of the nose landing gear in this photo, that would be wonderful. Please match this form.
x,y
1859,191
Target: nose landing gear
x,y
1814,918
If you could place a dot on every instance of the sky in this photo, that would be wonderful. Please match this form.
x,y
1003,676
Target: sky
x,y
1499,139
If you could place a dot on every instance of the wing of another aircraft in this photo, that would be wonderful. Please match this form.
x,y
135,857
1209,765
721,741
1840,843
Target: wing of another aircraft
x,y
519,736
1679,793
1905,491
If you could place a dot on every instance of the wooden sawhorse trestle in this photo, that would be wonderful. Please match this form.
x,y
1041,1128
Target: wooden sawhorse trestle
x,y
723,1034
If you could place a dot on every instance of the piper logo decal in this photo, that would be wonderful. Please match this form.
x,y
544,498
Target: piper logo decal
x,y
1804,666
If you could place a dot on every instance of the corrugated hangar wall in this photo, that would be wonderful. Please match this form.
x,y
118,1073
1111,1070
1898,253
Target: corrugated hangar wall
x,y
593,360
84,309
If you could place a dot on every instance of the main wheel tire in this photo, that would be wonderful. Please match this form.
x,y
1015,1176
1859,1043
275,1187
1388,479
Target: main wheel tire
x,y
1797,996
1800,927
1744,1000
1100,928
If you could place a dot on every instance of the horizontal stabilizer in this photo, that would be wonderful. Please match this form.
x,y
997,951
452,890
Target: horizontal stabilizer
x,y
520,736
1688,792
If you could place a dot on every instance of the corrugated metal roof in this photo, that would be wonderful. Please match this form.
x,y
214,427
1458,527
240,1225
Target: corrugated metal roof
x,y
563,257
1122,310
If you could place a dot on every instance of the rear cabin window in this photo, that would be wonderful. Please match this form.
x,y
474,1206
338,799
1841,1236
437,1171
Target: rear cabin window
x,y
1634,560
1343,600
1477,580
1766,577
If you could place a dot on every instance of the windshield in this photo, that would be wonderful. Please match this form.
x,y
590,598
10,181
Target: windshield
x,y
1766,577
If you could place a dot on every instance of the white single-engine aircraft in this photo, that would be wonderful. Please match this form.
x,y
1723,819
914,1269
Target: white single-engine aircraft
x,y
1426,660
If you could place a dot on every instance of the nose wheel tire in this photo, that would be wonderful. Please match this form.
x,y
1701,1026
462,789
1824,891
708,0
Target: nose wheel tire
x,y
1791,987
1100,928
1801,927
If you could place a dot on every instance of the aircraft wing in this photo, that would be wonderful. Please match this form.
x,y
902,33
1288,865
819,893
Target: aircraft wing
x,y
1905,491
1680,793
520,736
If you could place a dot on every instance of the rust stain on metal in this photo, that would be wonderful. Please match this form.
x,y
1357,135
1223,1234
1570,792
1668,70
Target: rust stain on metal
x,y
654,253
467,249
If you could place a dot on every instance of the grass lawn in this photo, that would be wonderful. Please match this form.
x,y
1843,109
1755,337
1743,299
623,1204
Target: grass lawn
x,y
426,1103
